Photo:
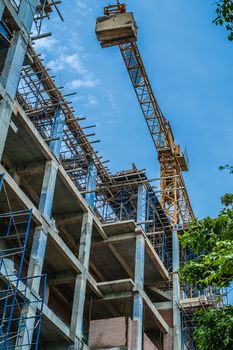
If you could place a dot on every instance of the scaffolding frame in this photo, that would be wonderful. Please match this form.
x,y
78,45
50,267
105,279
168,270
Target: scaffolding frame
x,y
22,298
15,293
116,195
1,181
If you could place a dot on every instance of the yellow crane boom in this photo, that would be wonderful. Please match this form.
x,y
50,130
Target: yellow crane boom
x,y
119,28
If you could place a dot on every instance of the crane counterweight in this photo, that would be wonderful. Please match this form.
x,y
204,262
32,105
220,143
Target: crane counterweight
x,y
116,29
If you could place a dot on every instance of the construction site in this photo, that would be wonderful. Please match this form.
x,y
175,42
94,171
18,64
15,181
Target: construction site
x,y
88,259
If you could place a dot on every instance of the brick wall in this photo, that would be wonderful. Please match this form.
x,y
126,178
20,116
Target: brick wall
x,y
112,332
107,333
167,314
148,345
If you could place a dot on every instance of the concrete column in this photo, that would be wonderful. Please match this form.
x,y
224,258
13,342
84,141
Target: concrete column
x,y
176,290
85,239
91,184
13,64
5,118
57,132
10,79
37,258
141,206
81,280
47,192
2,8
27,10
139,265
26,326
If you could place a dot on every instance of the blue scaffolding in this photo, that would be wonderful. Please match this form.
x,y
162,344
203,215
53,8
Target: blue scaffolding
x,y
15,293
188,326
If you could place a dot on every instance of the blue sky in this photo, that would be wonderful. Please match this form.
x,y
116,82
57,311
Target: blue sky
x,y
189,64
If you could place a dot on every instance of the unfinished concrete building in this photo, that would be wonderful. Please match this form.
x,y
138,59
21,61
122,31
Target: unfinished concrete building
x,y
88,259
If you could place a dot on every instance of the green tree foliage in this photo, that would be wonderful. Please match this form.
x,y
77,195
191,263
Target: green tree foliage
x,y
225,16
214,331
211,239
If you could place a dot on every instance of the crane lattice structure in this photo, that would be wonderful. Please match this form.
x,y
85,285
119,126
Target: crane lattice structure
x,y
173,193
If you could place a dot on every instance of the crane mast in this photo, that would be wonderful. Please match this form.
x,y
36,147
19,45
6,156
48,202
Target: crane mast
x,y
118,27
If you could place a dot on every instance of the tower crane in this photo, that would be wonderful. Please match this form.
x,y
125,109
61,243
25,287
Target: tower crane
x,y
118,28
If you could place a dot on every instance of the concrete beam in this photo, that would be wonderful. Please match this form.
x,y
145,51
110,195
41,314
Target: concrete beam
x,y
123,285
122,261
160,293
69,219
99,273
32,168
29,189
23,199
157,261
116,296
163,326
61,278
165,305
117,239
49,316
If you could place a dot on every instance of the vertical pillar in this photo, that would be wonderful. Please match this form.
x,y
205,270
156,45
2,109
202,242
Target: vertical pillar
x,y
26,326
57,132
27,10
176,290
91,184
47,192
27,323
81,280
139,265
2,8
141,206
9,79
5,118
13,64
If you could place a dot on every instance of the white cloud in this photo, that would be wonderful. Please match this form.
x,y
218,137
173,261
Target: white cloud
x,y
48,43
86,101
83,7
83,83
92,101
71,62
81,4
